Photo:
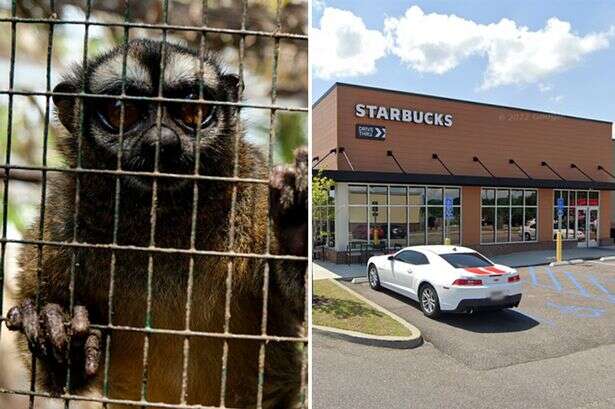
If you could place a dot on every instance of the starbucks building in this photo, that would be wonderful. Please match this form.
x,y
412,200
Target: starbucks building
x,y
411,169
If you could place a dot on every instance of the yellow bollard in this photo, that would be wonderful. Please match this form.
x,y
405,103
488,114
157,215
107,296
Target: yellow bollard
x,y
558,247
447,241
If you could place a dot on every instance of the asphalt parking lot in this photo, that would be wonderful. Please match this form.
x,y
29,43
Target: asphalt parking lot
x,y
564,309
556,351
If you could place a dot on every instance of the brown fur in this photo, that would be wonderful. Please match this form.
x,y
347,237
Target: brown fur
x,y
169,285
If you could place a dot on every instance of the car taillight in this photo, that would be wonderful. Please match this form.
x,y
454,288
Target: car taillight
x,y
514,279
467,281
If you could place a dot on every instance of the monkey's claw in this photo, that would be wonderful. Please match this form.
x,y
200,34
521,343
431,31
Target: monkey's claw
x,y
288,189
51,332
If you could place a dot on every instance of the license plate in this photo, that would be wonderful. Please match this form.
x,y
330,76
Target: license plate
x,y
497,295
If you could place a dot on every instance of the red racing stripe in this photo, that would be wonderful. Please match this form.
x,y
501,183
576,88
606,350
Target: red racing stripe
x,y
495,270
478,270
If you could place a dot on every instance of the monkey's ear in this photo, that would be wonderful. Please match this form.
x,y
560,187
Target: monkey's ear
x,y
233,85
65,104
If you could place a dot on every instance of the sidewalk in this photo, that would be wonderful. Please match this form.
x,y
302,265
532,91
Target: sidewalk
x,y
533,258
323,269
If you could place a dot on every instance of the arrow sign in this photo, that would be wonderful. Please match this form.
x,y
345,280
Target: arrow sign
x,y
378,133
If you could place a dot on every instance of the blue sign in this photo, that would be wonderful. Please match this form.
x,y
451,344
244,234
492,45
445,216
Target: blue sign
x,y
560,206
448,207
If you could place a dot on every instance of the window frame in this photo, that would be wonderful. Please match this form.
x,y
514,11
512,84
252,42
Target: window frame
x,y
568,207
495,206
409,206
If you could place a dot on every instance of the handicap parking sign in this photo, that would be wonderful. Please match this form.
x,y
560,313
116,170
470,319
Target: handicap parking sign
x,y
448,207
560,206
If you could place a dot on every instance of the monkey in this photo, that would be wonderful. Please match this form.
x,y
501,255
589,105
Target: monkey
x,y
78,321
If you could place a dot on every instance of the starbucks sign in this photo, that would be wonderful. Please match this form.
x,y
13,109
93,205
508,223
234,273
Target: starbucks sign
x,y
403,115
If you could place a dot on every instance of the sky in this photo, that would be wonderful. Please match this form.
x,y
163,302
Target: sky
x,y
554,56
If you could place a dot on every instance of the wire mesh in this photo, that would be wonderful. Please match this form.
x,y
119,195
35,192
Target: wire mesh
x,y
230,255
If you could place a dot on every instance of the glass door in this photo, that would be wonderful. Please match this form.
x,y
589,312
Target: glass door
x,y
592,228
581,224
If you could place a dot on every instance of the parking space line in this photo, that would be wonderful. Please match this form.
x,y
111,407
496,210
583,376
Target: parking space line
x,y
533,277
582,290
577,311
554,280
602,288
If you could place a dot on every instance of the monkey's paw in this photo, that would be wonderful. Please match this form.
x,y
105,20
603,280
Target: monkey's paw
x,y
288,190
49,336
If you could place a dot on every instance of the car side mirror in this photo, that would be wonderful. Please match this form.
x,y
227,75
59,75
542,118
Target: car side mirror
x,y
391,258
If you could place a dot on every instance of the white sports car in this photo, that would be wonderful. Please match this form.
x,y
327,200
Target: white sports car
x,y
446,279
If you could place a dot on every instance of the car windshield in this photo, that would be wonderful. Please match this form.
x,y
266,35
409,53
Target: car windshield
x,y
466,260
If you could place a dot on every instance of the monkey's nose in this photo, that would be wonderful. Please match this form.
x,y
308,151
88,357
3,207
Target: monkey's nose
x,y
170,145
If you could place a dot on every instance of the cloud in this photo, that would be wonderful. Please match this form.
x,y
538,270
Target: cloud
x,y
438,43
343,46
557,98
544,87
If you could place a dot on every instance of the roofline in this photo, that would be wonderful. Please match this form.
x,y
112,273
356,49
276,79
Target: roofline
x,y
343,84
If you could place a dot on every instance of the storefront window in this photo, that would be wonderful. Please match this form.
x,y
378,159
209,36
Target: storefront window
x,y
416,225
581,198
416,196
398,216
502,223
503,197
488,197
378,195
357,195
508,215
454,194
453,227
593,199
516,223
531,198
576,203
435,225
357,224
379,227
516,197
399,226
434,196
398,196
530,224
487,230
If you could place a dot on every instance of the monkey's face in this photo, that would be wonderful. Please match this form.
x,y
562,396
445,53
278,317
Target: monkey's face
x,y
162,136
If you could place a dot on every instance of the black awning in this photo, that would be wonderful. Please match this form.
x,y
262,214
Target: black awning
x,y
462,180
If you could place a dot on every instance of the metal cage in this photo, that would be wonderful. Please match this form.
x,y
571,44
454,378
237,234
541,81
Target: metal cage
x,y
24,172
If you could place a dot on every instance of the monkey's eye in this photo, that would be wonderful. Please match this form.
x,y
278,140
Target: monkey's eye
x,y
187,114
110,112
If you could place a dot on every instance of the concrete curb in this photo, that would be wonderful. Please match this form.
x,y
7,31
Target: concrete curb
x,y
412,341
359,280
567,262
607,258
369,340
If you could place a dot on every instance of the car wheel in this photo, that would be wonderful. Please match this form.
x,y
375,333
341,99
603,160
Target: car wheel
x,y
372,276
430,304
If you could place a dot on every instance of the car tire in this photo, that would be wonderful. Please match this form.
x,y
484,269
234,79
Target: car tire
x,y
373,278
429,301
